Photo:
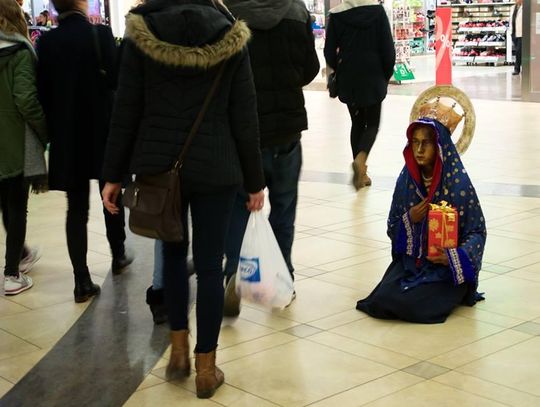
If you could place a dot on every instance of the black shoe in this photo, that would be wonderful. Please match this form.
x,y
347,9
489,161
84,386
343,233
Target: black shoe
x,y
84,287
120,263
515,73
156,300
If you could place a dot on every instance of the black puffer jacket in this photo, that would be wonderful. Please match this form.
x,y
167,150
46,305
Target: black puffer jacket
x,y
283,57
360,48
172,52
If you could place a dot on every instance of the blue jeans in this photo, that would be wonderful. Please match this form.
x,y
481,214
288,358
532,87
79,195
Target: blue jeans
x,y
210,215
282,165
157,278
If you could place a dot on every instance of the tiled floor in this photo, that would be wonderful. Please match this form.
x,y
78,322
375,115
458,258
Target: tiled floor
x,y
321,351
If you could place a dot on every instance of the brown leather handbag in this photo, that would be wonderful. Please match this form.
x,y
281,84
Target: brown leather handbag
x,y
154,201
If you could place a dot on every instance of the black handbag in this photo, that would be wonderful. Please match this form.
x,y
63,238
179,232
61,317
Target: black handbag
x,y
154,201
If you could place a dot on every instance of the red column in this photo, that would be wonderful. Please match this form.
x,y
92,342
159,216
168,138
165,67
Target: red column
x,y
443,46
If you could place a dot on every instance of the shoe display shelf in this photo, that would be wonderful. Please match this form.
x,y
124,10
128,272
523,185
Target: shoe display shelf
x,y
480,33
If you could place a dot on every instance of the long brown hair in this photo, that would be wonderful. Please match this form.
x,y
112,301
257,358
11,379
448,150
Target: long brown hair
x,y
12,18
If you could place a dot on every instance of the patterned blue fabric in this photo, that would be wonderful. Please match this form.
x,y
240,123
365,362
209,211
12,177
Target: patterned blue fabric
x,y
451,184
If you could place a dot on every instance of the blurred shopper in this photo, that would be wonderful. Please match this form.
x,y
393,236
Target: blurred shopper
x,y
360,50
76,79
20,113
173,52
283,59
516,13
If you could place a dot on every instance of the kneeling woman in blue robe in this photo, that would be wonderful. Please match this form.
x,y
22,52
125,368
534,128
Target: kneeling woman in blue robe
x,y
415,287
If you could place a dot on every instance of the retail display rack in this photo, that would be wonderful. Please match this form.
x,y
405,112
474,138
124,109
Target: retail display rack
x,y
481,32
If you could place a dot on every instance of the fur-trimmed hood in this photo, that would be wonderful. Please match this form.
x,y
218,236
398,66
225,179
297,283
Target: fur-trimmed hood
x,y
193,35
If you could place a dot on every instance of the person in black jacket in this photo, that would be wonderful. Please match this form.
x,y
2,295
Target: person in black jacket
x,y
360,49
76,80
172,53
283,58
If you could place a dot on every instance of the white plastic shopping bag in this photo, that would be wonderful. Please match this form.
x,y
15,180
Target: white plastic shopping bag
x,y
263,276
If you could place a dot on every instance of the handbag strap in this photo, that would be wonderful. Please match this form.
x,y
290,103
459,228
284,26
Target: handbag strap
x,y
198,121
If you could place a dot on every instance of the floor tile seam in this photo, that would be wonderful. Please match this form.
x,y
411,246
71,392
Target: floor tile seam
x,y
38,309
371,381
487,354
482,396
503,233
354,243
499,314
365,357
295,338
270,313
490,382
6,298
521,278
152,385
22,339
7,380
335,261
363,238
179,384
337,326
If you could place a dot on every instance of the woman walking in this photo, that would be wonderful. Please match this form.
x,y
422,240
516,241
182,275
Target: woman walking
x,y
360,50
20,112
173,52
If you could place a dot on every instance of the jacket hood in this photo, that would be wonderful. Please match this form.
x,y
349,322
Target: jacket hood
x,y
193,35
266,14
358,13
10,44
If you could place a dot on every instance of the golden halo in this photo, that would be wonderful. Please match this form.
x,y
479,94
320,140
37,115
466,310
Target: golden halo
x,y
457,95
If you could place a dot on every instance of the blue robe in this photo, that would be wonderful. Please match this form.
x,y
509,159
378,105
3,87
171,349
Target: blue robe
x,y
414,289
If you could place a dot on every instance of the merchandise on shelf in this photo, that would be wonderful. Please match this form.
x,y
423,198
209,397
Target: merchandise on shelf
x,y
480,32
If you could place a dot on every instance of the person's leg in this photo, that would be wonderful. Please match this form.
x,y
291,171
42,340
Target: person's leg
x,y
372,119
116,234
233,245
235,234
77,240
210,219
76,226
176,290
14,198
517,66
358,128
155,296
283,195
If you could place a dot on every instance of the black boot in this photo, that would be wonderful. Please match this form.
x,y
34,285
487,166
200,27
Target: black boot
x,y
119,263
156,300
84,287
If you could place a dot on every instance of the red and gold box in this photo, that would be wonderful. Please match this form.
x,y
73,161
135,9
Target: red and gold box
x,y
443,227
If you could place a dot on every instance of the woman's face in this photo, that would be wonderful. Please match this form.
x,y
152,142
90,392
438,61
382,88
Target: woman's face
x,y
424,146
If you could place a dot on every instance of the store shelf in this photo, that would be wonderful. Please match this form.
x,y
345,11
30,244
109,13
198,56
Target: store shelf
x,y
496,30
459,58
489,60
476,5
474,44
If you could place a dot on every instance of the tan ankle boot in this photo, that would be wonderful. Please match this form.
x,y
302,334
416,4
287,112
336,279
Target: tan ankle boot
x,y
360,170
365,178
209,376
179,364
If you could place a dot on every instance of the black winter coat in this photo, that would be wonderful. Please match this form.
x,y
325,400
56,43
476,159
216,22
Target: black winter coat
x,y
360,48
283,59
77,98
171,56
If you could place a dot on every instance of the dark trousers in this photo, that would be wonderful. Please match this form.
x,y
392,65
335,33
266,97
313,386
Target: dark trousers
x,y
518,47
14,202
365,126
77,221
210,215
282,167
